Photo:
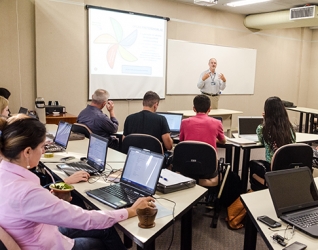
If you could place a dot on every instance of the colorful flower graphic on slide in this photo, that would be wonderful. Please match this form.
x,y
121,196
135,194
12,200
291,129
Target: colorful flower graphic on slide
x,y
118,43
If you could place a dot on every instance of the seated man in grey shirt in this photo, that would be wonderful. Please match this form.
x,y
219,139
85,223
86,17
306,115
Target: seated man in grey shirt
x,y
98,122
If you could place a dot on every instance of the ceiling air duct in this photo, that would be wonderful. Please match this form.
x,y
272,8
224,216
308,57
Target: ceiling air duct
x,y
206,2
294,18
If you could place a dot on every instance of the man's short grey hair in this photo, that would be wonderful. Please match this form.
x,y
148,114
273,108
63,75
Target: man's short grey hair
x,y
100,96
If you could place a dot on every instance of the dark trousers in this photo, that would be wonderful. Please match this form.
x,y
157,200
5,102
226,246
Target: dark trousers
x,y
94,239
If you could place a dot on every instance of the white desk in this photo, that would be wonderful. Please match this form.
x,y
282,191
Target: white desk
x,y
145,238
307,111
260,203
78,149
226,115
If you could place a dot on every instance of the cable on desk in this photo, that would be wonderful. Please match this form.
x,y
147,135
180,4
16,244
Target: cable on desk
x,y
105,175
173,218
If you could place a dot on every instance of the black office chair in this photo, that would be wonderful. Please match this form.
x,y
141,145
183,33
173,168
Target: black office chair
x,y
288,156
143,141
198,160
81,129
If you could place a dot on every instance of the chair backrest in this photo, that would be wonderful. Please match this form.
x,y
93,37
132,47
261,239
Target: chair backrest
x,y
292,156
194,159
7,240
143,141
81,129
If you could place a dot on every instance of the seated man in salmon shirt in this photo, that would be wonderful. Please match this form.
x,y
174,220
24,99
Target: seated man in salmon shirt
x,y
203,128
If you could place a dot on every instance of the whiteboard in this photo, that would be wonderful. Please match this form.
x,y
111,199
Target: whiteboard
x,y
186,61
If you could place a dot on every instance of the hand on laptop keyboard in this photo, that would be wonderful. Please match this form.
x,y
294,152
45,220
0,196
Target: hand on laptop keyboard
x,y
77,177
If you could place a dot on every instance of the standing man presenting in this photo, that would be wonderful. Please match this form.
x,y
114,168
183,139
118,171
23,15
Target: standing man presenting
x,y
211,83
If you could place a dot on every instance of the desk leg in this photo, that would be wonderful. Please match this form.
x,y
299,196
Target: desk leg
x,y
306,123
228,154
301,122
250,236
127,242
149,247
186,231
311,128
245,163
236,164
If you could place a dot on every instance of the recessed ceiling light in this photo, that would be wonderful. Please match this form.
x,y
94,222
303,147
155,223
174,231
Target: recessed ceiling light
x,y
245,2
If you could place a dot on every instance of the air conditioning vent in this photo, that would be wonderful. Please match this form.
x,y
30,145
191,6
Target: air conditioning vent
x,y
206,2
302,12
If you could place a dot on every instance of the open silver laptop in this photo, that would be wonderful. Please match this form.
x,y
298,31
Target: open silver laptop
x,y
60,140
96,158
247,127
139,178
174,122
295,198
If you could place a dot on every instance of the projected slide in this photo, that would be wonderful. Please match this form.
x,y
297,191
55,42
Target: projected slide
x,y
127,53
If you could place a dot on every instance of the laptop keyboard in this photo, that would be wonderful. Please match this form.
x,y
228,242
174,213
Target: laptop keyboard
x,y
306,220
121,192
51,148
81,166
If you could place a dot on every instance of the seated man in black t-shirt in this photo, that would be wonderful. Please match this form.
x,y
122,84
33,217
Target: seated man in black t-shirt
x,y
148,122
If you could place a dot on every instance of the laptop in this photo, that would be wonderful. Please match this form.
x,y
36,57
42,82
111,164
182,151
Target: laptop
x,y
23,110
295,196
174,122
247,127
95,161
139,178
60,140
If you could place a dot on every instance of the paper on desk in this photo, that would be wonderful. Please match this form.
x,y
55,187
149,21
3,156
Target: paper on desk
x,y
240,140
162,211
168,178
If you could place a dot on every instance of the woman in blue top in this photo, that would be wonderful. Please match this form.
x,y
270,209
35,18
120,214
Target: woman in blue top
x,y
275,132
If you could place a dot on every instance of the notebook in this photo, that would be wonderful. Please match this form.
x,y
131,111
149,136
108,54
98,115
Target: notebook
x,y
295,196
139,178
60,140
247,127
96,158
174,122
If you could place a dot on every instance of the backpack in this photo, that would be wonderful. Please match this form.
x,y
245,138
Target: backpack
x,y
235,214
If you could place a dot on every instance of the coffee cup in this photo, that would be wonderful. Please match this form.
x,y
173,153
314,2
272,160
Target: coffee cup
x,y
147,217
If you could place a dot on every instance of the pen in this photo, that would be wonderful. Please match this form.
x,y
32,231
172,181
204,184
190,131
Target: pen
x,y
164,178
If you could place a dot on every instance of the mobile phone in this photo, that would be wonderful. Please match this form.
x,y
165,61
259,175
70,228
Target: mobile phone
x,y
68,158
268,221
295,246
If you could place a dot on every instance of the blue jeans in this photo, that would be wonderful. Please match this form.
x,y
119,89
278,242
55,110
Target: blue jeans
x,y
94,239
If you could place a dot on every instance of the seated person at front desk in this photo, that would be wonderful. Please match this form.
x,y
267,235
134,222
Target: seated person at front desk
x,y
34,217
276,131
203,128
148,122
4,107
98,122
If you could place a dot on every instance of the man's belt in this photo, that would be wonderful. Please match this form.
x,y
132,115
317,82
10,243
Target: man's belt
x,y
209,94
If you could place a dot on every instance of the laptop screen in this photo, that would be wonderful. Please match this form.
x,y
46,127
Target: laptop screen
x,y
97,152
62,134
174,120
247,124
142,169
23,110
292,189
